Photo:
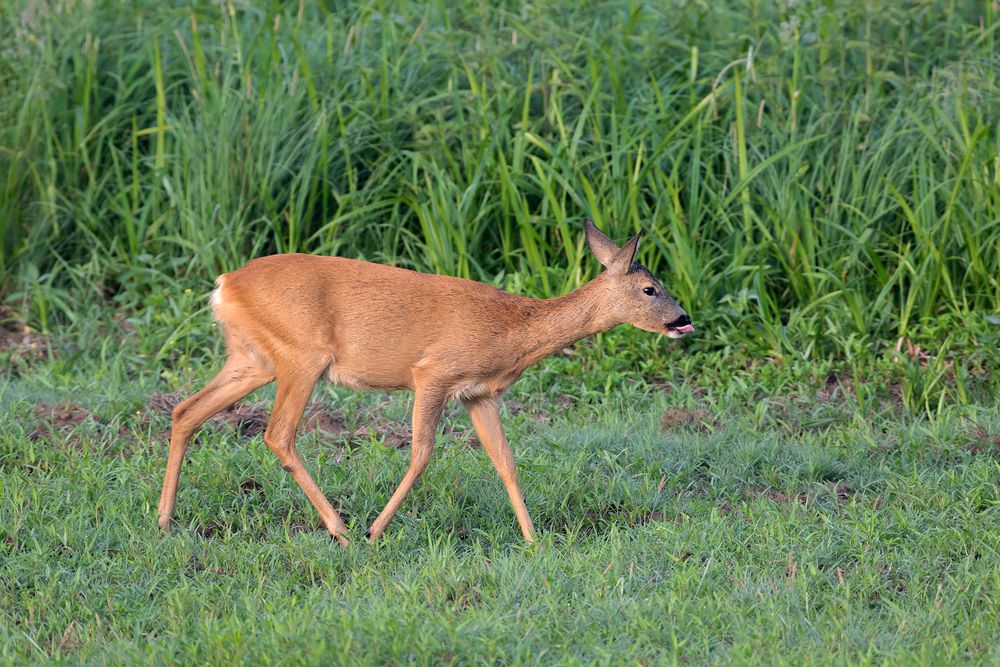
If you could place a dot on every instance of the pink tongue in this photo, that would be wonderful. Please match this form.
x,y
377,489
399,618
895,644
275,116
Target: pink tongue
x,y
687,328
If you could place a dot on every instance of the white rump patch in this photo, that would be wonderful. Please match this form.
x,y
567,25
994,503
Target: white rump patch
x,y
217,296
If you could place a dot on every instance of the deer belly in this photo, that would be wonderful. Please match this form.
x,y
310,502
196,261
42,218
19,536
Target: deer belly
x,y
342,376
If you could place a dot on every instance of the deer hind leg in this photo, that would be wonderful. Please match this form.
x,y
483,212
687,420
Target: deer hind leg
x,y
485,415
427,406
240,375
294,389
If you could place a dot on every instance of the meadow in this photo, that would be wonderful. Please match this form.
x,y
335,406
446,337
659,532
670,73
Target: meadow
x,y
812,478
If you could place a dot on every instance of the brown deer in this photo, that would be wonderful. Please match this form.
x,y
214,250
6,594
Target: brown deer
x,y
298,318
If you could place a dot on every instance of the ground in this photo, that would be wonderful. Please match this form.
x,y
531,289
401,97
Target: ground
x,y
679,522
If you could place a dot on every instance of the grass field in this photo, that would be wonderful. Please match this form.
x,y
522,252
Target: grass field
x,y
813,478
676,523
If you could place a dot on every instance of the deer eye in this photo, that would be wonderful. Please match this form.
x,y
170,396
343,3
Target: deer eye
x,y
649,290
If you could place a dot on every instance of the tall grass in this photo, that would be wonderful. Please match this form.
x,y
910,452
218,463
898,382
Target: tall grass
x,y
812,177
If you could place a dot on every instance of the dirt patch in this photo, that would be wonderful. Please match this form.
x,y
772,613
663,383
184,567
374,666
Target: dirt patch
x,y
318,418
163,404
59,417
836,388
686,418
392,433
19,342
842,490
983,443
23,346
250,485
463,434
250,419
62,420
208,531
247,419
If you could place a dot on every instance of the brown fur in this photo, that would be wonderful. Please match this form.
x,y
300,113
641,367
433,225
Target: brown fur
x,y
300,318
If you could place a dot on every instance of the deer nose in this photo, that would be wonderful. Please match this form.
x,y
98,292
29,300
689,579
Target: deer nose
x,y
681,325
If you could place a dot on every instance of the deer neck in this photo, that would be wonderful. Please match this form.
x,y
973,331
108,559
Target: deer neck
x,y
552,324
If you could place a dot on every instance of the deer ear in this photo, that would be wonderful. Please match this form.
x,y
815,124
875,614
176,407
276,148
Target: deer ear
x,y
604,249
622,261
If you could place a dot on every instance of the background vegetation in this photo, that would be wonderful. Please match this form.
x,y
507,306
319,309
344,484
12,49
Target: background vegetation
x,y
812,477
812,177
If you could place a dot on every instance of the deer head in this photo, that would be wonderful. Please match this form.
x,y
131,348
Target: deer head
x,y
633,294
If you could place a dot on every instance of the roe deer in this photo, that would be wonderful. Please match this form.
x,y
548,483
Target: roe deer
x,y
297,318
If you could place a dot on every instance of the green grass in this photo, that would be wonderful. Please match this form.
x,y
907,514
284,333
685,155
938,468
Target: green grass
x,y
814,178
795,530
818,183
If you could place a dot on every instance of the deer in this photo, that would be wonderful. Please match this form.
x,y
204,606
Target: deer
x,y
298,318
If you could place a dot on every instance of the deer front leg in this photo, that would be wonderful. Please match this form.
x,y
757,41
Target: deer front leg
x,y
427,406
485,414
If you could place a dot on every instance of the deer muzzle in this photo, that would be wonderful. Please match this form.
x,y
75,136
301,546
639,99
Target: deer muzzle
x,y
680,326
